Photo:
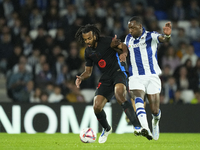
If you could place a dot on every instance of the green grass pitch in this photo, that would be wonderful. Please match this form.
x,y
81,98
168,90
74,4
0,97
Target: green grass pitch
x,y
58,141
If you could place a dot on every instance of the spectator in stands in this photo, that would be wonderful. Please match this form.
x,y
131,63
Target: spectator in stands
x,y
8,8
6,49
44,77
190,55
56,96
22,59
74,95
27,46
24,94
178,11
194,30
196,72
20,38
56,69
169,89
18,80
162,52
25,11
51,19
166,74
171,59
38,66
35,18
181,37
177,98
193,10
34,58
35,96
183,82
73,60
61,39
196,99
181,50
49,89
48,45
14,58
40,39
63,76
44,97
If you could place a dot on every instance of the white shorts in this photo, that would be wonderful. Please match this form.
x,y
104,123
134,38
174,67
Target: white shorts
x,y
149,84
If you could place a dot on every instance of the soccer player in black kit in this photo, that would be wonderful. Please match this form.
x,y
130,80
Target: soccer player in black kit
x,y
103,52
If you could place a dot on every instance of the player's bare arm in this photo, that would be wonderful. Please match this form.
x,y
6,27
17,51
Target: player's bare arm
x,y
86,74
124,53
167,29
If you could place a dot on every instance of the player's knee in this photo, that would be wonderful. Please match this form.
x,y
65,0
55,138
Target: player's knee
x,y
155,111
97,108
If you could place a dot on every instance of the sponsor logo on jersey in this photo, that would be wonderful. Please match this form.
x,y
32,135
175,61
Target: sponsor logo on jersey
x,y
102,63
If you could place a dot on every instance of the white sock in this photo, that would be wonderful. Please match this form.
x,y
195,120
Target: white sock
x,y
141,113
156,117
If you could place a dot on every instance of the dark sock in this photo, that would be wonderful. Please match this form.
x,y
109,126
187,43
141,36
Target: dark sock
x,y
128,109
102,120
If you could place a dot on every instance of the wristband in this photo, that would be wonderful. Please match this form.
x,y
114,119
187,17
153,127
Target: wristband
x,y
167,36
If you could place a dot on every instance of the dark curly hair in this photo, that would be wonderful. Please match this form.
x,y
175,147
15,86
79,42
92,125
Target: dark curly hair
x,y
85,29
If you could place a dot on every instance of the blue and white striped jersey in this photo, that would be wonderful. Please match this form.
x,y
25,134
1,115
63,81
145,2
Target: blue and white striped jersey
x,y
143,53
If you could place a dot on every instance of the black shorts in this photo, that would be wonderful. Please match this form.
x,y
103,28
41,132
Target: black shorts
x,y
107,83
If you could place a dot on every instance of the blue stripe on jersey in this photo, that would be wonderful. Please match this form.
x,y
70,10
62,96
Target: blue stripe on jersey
x,y
121,67
149,52
128,39
127,44
138,58
156,55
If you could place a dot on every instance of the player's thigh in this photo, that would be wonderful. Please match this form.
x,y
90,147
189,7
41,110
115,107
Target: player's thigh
x,y
105,89
154,85
135,83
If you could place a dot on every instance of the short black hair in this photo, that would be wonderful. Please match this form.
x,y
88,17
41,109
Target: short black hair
x,y
85,29
137,19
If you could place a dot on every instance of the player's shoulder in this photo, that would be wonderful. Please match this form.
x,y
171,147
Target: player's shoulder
x,y
105,38
128,36
153,32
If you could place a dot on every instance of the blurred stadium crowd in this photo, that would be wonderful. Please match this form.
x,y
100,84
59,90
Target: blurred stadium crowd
x,y
40,57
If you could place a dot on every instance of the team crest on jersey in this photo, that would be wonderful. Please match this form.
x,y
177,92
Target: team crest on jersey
x,y
129,46
102,63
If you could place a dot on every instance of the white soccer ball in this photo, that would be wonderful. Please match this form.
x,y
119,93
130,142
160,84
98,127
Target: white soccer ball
x,y
88,135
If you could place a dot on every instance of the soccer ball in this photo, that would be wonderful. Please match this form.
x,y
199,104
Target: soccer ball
x,y
87,135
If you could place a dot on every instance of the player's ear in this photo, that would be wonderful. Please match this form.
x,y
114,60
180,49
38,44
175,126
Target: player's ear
x,y
95,38
140,26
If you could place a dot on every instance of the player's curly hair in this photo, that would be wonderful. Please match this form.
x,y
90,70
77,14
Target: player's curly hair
x,y
85,29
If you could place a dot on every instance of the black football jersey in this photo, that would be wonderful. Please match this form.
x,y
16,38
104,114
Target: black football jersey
x,y
106,58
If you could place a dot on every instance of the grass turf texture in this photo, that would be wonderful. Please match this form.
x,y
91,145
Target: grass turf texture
x,y
58,141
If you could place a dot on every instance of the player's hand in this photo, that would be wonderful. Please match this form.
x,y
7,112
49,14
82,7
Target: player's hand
x,y
115,42
167,29
122,57
78,81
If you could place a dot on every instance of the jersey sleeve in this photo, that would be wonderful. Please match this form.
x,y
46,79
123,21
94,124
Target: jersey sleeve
x,y
88,61
155,36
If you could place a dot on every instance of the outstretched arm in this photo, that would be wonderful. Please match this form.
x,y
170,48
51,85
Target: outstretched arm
x,y
167,29
86,74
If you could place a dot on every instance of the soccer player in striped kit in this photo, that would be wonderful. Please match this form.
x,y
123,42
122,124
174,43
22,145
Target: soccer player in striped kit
x,y
144,71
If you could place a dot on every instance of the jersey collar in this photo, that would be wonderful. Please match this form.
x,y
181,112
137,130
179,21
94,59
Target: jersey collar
x,y
143,32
